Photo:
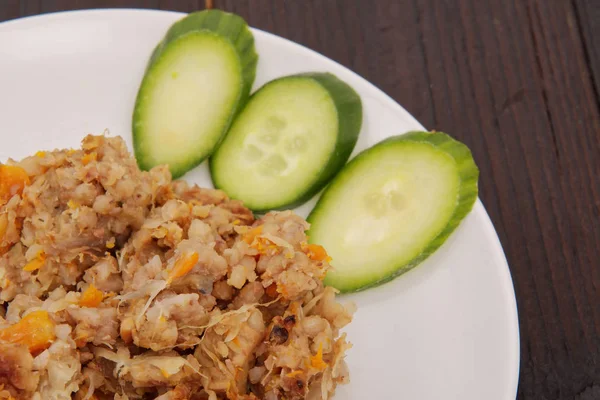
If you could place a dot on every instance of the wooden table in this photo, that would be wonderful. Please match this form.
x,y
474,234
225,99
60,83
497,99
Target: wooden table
x,y
519,82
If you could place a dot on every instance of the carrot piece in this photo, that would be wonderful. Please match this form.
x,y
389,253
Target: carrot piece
x,y
3,225
35,330
317,252
91,297
294,373
252,234
183,266
89,157
35,264
316,361
13,180
5,245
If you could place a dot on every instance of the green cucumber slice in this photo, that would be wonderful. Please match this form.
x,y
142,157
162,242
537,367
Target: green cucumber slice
x,y
392,206
292,137
197,79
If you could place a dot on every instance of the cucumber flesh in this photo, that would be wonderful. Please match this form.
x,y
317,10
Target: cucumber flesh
x,y
195,82
392,206
294,134
227,25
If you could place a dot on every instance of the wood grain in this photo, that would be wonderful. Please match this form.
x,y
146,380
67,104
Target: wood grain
x,y
518,81
587,16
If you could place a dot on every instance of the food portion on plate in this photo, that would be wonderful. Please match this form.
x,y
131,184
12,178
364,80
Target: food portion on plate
x,y
120,283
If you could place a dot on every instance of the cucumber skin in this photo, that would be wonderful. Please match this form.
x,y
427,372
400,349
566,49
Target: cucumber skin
x,y
347,103
212,22
349,106
467,195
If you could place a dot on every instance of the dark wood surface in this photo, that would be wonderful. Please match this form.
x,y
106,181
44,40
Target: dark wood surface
x,y
519,82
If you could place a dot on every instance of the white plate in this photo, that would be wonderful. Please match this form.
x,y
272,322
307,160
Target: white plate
x,y
446,330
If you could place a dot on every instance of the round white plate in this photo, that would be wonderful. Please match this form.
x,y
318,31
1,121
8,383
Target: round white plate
x,y
446,330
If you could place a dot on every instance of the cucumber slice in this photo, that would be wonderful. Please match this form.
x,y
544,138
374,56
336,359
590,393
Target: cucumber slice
x,y
392,206
197,78
292,137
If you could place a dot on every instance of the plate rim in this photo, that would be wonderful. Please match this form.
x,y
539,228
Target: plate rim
x,y
507,283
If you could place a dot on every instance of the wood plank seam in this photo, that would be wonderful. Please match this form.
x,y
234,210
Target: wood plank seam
x,y
418,17
540,70
586,52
